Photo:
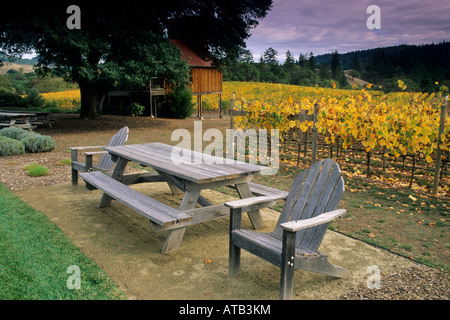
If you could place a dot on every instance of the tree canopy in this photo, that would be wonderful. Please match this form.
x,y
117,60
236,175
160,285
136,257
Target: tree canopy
x,y
126,42
304,72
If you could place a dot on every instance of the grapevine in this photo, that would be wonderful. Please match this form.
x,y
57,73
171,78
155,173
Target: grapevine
x,y
393,125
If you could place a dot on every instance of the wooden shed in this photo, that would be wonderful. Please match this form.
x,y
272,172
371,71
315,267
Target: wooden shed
x,y
204,78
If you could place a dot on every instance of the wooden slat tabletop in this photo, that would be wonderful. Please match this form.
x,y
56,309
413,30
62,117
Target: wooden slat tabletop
x,y
159,156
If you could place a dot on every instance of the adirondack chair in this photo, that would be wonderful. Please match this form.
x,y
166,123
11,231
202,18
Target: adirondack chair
x,y
105,163
309,207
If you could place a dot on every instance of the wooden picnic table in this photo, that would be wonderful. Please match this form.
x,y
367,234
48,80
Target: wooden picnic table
x,y
10,119
189,178
35,117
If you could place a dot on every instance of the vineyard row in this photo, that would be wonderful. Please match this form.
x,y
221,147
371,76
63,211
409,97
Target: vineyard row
x,y
403,125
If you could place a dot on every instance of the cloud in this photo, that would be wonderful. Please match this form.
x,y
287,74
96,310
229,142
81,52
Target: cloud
x,y
323,26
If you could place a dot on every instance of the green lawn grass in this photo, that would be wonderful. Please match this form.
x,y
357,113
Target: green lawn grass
x,y
37,259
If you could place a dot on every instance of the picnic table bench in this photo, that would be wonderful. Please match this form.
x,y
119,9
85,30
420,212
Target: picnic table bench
x,y
183,178
154,210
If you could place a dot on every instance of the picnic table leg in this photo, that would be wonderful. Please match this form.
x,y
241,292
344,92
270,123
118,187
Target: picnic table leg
x,y
117,173
28,124
176,235
255,216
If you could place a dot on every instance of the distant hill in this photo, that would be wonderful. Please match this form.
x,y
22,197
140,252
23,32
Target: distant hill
x,y
31,62
420,65
16,64
424,53
27,68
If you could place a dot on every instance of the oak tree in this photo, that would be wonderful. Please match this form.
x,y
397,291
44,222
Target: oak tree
x,y
123,43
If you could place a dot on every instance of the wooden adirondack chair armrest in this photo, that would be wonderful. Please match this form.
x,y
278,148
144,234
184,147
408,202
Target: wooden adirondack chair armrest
x,y
91,153
254,203
88,155
294,226
83,148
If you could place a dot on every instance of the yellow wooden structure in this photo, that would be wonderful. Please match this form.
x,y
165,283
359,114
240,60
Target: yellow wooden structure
x,y
204,77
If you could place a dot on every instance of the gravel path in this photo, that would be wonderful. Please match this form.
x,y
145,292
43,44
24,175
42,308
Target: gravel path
x,y
416,283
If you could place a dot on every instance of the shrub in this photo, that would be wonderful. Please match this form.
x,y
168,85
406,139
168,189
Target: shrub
x,y
180,102
12,132
10,147
35,142
26,134
36,170
9,99
137,109
33,99
30,141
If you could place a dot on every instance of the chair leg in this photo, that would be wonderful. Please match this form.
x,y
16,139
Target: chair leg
x,y
74,177
234,264
287,265
74,158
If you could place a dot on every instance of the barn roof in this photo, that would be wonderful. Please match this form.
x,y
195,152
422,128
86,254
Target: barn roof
x,y
190,56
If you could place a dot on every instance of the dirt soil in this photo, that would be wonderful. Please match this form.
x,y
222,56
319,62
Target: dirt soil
x,y
122,242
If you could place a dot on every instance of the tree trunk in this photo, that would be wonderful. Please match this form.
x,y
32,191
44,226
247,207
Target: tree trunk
x,y
92,98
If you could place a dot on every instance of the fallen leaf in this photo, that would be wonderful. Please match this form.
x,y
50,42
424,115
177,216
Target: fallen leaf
x,y
412,198
371,235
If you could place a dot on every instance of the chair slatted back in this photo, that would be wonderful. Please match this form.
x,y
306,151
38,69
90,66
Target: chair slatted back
x,y
313,192
119,139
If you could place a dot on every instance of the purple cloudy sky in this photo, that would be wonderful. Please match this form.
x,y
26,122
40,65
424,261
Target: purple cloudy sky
x,y
323,26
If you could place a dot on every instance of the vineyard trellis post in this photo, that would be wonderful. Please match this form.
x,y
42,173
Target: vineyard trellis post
x,y
438,150
314,136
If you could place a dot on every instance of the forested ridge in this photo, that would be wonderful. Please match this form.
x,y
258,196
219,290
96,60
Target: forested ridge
x,y
419,66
